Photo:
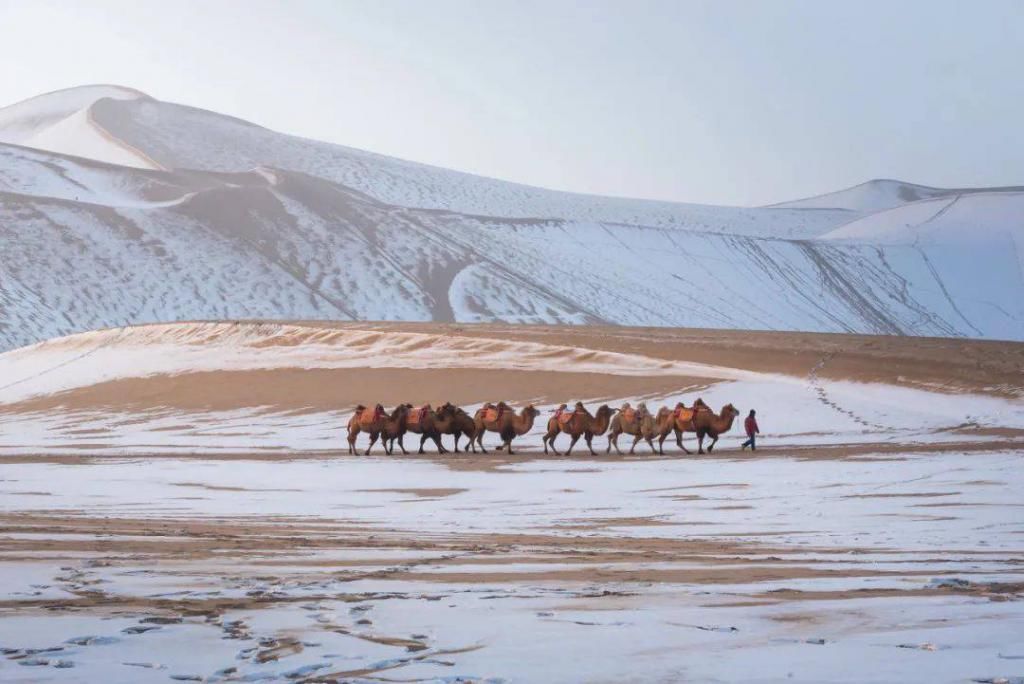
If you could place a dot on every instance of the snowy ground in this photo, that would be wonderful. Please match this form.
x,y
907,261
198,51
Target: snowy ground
x,y
877,535
878,569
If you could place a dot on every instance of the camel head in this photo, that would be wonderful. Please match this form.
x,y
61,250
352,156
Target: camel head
x,y
400,410
680,405
531,411
447,409
730,411
604,410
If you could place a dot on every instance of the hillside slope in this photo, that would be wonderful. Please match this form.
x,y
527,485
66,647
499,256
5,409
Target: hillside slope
x,y
243,222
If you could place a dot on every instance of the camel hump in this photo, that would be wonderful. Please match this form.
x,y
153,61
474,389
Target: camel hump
x,y
565,417
629,415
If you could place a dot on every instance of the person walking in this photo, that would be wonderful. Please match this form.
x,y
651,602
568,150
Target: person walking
x,y
750,424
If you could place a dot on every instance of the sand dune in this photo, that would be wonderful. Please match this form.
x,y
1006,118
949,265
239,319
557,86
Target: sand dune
x,y
247,223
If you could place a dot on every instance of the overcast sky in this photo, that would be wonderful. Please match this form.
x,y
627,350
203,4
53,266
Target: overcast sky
x,y
719,102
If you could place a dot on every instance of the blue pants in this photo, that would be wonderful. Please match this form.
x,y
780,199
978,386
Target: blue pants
x,y
751,442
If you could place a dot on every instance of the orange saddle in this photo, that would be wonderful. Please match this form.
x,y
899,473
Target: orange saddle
x,y
492,414
683,414
565,417
419,415
371,416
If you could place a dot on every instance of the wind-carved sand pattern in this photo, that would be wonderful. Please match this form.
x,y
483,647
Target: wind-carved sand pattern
x,y
150,531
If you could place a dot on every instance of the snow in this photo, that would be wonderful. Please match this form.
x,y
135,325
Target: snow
x,y
555,630
61,122
882,194
274,226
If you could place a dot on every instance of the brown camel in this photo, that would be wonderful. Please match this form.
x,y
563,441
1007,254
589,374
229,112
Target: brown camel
x,y
502,419
707,423
374,422
427,423
576,424
457,423
637,422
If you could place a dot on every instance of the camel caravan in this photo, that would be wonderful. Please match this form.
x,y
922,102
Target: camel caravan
x,y
638,422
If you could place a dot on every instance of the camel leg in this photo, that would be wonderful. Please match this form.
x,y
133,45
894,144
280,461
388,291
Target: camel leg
x,y
436,436
480,440
575,438
590,442
714,441
650,443
661,444
401,446
386,442
614,439
700,442
352,442
679,440
550,438
373,440
636,438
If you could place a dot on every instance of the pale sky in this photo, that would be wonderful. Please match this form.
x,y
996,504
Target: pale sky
x,y
716,102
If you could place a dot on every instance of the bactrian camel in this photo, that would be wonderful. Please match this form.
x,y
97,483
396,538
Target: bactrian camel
x,y
637,422
374,422
578,423
707,423
503,420
427,423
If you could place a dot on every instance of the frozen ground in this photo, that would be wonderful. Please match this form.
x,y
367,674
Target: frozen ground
x,y
877,535
744,569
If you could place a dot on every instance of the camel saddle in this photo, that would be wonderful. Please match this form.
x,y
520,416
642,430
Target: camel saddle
x,y
492,414
417,416
565,417
683,414
368,417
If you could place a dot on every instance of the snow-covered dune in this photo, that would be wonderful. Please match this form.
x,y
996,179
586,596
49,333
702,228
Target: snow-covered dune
x,y
62,122
243,222
881,194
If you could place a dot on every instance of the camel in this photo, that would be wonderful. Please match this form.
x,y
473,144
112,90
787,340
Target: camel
x,y
427,423
457,423
374,422
502,419
576,424
637,422
679,422
707,423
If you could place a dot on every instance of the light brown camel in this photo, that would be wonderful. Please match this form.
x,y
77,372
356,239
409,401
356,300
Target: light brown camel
x,y
707,423
373,422
457,423
578,423
502,419
637,422
426,422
